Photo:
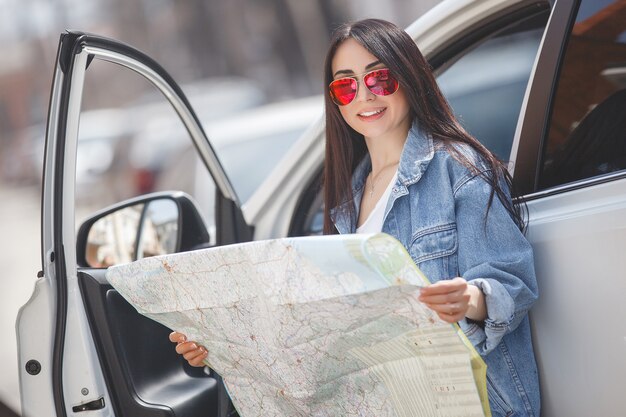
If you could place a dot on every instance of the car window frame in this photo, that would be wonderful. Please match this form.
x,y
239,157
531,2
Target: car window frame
x,y
537,106
585,181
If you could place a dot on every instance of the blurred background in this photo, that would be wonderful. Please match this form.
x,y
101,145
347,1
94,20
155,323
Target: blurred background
x,y
255,64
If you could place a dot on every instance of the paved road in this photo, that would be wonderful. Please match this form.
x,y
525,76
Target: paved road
x,y
19,257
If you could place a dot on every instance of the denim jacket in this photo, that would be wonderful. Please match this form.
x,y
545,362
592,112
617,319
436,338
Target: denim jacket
x,y
438,210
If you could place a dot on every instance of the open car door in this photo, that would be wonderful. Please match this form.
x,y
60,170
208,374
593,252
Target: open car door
x,y
82,348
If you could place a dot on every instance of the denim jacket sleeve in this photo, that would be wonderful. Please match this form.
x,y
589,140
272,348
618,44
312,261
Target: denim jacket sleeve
x,y
495,256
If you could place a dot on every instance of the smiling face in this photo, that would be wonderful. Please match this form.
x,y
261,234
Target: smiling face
x,y
373,116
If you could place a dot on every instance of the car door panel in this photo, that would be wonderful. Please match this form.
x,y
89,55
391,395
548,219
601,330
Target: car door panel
x,y
148,378
576,227
579,238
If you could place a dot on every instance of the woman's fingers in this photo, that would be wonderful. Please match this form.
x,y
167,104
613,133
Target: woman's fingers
x,y
445,292
186,347
448,298
196,357
447,308
450,318
177,337
191,351
451,297
445,287
450,313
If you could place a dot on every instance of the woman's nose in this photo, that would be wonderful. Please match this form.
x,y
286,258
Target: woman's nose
x,y
363,93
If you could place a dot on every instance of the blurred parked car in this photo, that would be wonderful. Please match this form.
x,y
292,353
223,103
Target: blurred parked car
x,y
160,138
114,162
164,159
248,152
536,80
101,171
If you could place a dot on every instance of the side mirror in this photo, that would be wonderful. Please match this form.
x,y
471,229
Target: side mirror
x,y
150,225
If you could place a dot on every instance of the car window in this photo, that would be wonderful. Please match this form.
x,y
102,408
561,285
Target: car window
x,y
586,136
126,151
486,85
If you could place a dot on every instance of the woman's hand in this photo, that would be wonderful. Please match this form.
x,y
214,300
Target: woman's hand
x,y
191,351
454,299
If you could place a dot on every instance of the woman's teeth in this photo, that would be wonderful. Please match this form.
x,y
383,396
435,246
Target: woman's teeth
x,y
370,113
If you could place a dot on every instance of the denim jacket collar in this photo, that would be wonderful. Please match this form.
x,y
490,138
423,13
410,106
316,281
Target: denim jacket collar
x,y
417,153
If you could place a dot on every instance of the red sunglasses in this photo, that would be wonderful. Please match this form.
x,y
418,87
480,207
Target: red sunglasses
x,y
378,81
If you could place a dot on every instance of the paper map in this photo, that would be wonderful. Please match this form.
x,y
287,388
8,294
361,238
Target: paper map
x,y
313,326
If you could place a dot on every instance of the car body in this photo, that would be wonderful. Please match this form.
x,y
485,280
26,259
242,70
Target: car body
x,y
81,347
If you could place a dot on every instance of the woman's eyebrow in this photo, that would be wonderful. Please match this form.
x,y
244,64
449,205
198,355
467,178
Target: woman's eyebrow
x,y
372,65
348,72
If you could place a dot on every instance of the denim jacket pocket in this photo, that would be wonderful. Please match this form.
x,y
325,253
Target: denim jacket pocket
x,y
432,249
499,406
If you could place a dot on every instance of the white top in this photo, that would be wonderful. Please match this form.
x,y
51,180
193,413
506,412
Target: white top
x,y
374,222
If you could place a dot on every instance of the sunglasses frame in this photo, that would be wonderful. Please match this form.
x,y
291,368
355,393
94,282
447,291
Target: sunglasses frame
x,y
362,76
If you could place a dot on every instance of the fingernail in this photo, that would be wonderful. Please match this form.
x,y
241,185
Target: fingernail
x,y
181,339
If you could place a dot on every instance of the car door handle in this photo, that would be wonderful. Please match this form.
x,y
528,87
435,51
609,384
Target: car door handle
x,y
90,406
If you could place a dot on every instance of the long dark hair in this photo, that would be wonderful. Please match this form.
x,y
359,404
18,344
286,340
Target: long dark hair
x,y
345,148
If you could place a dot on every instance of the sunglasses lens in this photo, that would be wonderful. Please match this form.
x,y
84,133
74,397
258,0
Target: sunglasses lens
x,y
381,82
343,90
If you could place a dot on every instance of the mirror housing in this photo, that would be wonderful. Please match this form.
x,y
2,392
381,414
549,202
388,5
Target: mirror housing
x,y
152,224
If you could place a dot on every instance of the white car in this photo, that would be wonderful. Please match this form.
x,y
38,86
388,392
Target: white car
x,y
547,76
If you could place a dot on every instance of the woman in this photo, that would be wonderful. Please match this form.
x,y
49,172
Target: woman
x,y
397,161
